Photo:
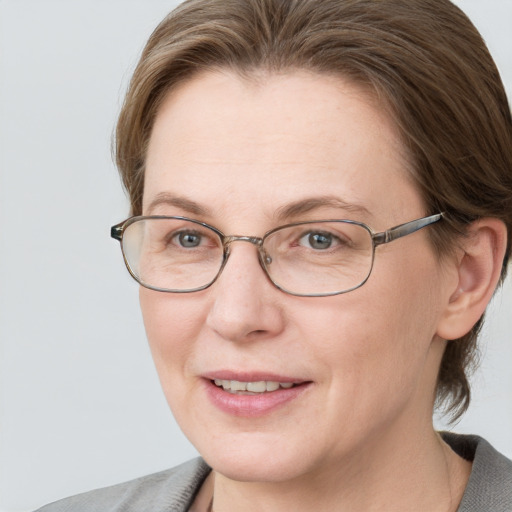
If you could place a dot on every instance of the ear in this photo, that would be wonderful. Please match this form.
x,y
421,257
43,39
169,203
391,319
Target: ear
x,y
478,268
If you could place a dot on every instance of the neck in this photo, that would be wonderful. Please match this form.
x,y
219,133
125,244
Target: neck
x,y
419,473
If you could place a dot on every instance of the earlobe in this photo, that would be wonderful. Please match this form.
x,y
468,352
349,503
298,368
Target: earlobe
x,y
479,268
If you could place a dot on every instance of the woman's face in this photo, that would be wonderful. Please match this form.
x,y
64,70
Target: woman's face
x,y
245,157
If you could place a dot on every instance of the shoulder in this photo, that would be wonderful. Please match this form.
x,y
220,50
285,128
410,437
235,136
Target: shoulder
x,y
167,491
490,484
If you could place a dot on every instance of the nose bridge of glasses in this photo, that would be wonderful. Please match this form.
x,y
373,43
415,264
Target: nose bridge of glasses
x,y
257,241
264,258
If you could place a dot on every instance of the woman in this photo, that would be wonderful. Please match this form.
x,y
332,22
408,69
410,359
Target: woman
x,y
321,198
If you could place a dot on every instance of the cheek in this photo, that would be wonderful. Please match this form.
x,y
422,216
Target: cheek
x,y
172,323
376,340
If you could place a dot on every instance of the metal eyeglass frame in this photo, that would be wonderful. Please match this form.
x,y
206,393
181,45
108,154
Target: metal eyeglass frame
x,y
379,238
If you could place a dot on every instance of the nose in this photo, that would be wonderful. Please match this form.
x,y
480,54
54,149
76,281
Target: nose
x,y
245,306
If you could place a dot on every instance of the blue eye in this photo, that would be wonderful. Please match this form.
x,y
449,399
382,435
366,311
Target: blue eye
x,y
189,239
317,240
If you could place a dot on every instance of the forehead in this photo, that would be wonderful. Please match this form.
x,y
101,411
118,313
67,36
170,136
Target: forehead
x,y
225,141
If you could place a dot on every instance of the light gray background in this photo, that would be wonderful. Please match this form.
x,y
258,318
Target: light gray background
x,y
80,404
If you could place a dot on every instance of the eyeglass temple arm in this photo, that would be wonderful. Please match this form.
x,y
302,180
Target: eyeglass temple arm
x,y
407,228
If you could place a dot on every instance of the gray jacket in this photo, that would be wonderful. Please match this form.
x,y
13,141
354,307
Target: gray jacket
x,y
489,488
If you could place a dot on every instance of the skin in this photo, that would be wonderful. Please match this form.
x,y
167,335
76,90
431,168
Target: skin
x,y
361,432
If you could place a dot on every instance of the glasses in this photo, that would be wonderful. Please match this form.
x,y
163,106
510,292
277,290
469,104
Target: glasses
x,y
310,259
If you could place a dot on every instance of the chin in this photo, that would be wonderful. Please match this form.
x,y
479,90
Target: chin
x,y
248,469
261,459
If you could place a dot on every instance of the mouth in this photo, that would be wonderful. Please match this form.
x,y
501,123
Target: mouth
x,y
237,387
253,394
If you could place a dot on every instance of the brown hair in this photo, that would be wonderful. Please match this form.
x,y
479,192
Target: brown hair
x,y
423,59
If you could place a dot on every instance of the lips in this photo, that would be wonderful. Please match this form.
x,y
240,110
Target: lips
x,y
252,395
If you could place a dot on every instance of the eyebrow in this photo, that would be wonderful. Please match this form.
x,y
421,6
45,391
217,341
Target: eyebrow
x,y
307,205
292,210
168,199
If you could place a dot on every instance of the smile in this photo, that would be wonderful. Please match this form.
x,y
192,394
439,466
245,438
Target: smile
x,y
262,386
253,395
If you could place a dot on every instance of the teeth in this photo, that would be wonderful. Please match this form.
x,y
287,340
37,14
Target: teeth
x,y
235,386
271,386
257,387
238,386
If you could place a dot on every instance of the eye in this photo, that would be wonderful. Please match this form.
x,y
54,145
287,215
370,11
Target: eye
x,y
188,239
318,240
